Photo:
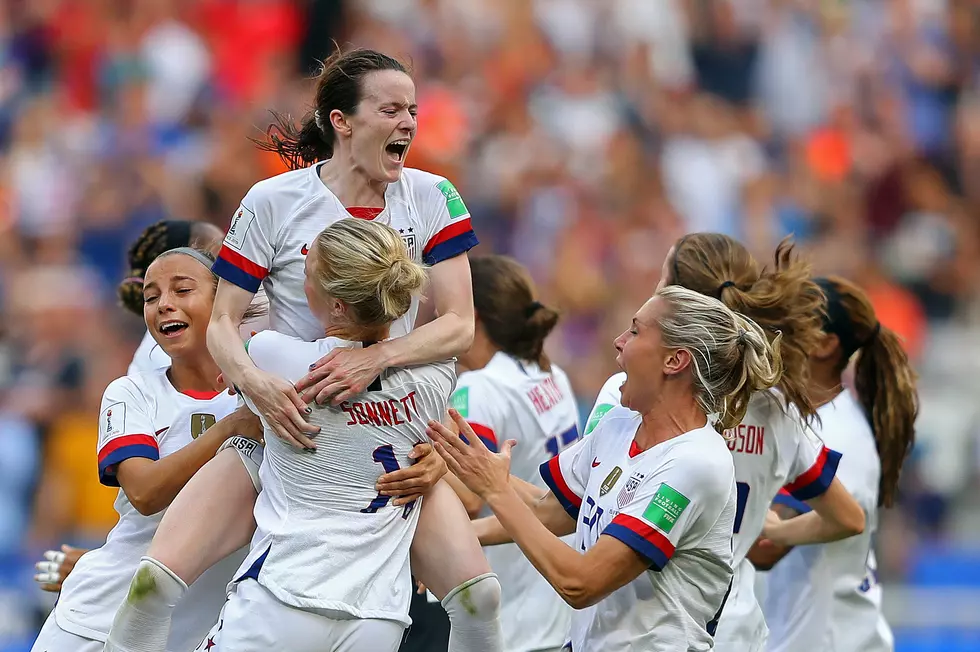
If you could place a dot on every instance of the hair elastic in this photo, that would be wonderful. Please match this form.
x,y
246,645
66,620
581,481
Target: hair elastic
x,y
532,308
838,321
721,288
318,120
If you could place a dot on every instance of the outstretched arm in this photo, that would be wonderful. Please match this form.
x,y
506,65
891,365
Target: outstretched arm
x,y
545,508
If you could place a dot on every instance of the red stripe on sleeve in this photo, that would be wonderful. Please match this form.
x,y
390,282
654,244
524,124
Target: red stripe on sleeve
x,y
127,440
811,474
648,532
483,431
241,262
563,487
448,233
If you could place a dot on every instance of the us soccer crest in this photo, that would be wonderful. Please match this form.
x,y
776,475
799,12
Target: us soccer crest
x,y
408,237
626,494
610,481
199,423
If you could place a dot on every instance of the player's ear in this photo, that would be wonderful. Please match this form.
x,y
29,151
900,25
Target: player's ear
x,y
340,123
676,361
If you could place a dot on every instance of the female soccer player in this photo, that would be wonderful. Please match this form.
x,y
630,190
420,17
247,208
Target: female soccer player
x,y
653,488
512,391
827,597
156,429
328,569
355,143
771,446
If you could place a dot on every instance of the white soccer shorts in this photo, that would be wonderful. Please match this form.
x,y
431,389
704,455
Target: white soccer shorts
x,y
251,453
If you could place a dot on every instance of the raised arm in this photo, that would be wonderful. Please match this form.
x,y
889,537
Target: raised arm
x,y
346,372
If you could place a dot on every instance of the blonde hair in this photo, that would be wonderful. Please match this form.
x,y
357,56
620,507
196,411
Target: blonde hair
x,y
366,265
731,358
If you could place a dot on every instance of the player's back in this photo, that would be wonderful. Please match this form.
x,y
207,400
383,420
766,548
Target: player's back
x,y
827,596
324,537
142,415
516,399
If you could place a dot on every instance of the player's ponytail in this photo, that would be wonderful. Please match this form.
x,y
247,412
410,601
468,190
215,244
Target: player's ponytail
x,y
338,88
366,265
731,357
884,380
156,239
781,299
514,321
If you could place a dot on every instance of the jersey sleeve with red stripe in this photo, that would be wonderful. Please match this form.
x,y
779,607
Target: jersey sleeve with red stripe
x,y
663,508
807,465
567,474
125,429
482,404
248,249
448,231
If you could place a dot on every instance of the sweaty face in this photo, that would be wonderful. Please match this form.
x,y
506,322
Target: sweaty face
x,y
384,125
178,295
642,356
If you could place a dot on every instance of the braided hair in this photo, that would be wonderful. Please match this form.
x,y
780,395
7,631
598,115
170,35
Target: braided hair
x,y
156,239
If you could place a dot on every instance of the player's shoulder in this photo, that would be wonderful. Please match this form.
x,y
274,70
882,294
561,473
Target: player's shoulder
x,y
137,387
282,195
427,187
843,425
439,376
618,422
270,187
706,456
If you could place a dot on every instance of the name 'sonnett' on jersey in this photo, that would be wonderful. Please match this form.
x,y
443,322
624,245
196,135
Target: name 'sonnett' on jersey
x,y
517,399
674,504
325,538
143,415
279,217
771,448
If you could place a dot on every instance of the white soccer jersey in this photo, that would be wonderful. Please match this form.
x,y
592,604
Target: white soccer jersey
x,y
514,399
143,416
325,538
826,597
279,217
674,504
771,448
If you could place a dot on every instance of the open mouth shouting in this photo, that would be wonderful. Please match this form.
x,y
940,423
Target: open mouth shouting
x,y
397,149
172,328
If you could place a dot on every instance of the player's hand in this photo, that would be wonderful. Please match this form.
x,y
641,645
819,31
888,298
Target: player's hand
x,y
57,564
771,527
341,375
411,483
244,422
483,472
419,587
282,408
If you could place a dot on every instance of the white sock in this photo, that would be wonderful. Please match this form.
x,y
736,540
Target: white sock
x,y
142,623
474,614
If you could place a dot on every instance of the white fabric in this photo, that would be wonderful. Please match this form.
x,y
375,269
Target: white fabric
x,y
253,620
674,504
518,400
473,608
323,538
54,639
142,416
251,453
280,216
771,448
826,597
142,623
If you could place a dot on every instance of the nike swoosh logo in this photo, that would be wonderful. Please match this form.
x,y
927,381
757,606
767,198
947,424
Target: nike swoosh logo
x,y
162,430
595,462
305,250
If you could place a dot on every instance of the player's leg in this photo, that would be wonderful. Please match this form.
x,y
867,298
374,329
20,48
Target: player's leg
x,y
54,639
209,519
447,558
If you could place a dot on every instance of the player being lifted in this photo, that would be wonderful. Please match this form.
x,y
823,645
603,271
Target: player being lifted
x,y
354,144
156,429
771,446
328,568
510,390
828,597
650,494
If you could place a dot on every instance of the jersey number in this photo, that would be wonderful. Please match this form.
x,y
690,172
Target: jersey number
x,y
590,521
742,489
558,442
385,456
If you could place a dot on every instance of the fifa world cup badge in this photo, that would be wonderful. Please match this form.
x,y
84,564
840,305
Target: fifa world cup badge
x,y
199,423
610,481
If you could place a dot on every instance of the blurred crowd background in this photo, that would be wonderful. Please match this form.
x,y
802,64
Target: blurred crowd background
x,y
585,137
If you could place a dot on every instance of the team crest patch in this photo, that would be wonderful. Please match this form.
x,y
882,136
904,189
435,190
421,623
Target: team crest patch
x,y
600,411
240,225
199,423
610,481
460,401
112,421
454,203
666,507
626,493
411,244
